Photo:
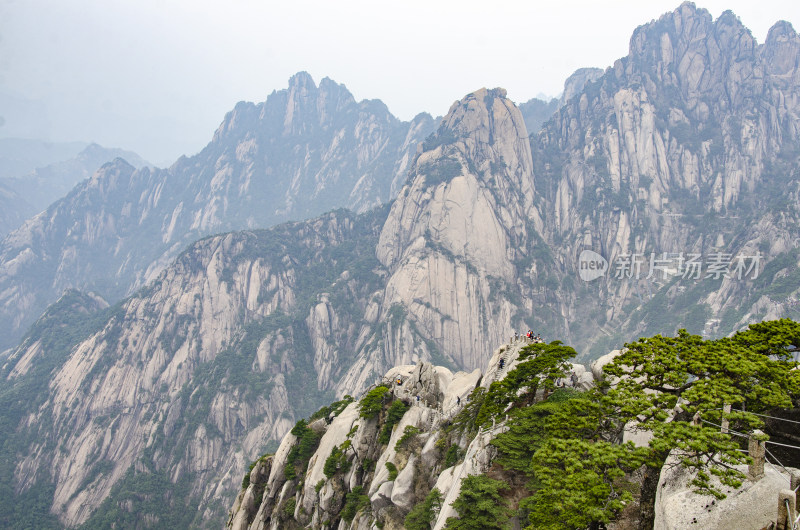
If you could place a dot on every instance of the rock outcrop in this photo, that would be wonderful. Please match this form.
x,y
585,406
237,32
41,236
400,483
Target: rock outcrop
x,y
576,83
453,233
393,476
754,505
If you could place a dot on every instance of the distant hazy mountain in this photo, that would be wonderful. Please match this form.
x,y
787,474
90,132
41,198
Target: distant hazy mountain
x,y
46,184
688,146
36,190
305,150
19,156
13,209
536,112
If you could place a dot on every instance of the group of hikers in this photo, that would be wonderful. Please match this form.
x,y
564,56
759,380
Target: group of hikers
x,y
530,336
399,382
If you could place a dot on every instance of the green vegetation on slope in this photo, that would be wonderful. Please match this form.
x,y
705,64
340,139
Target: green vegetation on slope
x,y
67,322
422,516
480,505
568,446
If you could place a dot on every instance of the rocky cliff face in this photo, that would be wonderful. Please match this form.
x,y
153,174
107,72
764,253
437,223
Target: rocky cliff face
x,y
576,83
222,349
454,234
303,151
687,145
382,480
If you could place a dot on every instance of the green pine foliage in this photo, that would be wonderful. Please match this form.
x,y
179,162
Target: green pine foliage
x,y
442,136
302,451
441,170
337,461
368,465
392,471
409,434
568,445
566,414
354,502
480,505
540,366
246,478
752,370
453,455
579,483
332,462
465,422
423,515
372,403
334,408
525,432
393,416
289,507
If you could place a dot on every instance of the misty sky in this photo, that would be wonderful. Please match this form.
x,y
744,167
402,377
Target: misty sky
x,y
157,77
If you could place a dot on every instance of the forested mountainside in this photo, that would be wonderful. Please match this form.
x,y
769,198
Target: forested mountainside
x,y
687,146
303,151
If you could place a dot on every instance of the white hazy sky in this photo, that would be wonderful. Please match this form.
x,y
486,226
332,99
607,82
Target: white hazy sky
x,y
157,76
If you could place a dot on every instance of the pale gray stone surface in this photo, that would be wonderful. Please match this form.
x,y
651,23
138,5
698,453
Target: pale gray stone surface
x,y
751,507
403,491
